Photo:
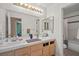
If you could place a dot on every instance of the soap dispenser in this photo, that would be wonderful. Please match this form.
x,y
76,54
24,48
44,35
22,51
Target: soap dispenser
x,y
31,36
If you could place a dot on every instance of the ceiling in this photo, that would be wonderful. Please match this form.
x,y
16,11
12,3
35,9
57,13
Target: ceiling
x,y
46,5
43,5
72,8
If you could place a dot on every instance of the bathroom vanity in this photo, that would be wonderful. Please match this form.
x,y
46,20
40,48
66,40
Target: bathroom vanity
x,y
38,48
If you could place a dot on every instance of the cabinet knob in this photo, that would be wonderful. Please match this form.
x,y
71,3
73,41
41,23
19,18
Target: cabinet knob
x,y
52,42
46,44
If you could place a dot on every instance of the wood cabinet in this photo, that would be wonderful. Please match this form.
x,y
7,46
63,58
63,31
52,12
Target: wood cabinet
x,y
36,53
21,52
48,48
36,50
40,49
52,48
9,53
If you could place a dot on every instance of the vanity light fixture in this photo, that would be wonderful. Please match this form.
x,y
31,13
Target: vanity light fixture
x,y
29,6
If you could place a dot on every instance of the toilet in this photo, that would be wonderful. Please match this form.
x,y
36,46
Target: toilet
x,y
64,46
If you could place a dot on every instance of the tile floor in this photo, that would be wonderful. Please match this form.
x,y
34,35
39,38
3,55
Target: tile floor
x,y
68,52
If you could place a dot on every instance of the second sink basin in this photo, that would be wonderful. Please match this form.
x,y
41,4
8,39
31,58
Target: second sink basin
x,y
33,40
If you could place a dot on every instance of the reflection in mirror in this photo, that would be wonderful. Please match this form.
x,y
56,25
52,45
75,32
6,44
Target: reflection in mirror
x,y
48,24
15,26
6,25
37,27
45,25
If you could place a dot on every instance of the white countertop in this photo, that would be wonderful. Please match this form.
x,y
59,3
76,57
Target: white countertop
x,y
12,46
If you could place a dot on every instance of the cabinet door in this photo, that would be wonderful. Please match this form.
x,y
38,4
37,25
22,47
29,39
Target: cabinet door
x,y
36,50
36,53
9,53
52,48
46,49
36,47
28,50
21,52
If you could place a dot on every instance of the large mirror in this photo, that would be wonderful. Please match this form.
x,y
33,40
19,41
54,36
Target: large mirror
x,y
48,24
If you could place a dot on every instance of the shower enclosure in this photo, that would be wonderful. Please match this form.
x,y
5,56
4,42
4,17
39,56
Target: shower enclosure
x,y
71,32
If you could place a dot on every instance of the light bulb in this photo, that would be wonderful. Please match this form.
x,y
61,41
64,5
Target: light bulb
x,y
29,6
26,4
21,3
41,10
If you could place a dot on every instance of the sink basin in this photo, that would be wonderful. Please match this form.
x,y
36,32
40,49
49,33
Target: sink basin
x,y
32,40
5,44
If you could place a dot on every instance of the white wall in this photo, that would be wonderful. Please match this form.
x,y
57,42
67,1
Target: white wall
x,y
65,29
2,21
56,11
71,14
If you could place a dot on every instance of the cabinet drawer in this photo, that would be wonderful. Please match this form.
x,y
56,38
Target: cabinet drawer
x,y
36,53
36,47
9,53
21,52
52,52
